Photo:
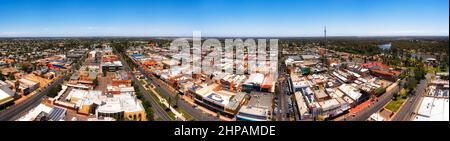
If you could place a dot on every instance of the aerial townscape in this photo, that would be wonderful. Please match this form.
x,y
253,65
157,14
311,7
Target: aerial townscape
x,y
142,79
234,60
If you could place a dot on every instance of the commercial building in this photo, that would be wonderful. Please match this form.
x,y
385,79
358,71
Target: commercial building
x,y
121,78
110,62
224,102
6,96
268,84
122,107
380,70
249,113
434,105
433,109
258,108
112,66
333,107
350,91
33,113
44,112
27,86
376,117
253,83
218,91
301,106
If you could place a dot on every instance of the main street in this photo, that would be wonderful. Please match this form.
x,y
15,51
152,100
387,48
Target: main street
x,y
168,92
161,113
375,106
281,96
407,110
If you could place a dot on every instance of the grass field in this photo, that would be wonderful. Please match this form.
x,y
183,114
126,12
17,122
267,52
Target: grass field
x,y
185,114
394,105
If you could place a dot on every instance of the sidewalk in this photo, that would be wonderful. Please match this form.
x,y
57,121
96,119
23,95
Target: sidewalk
x,y
191,101
165,103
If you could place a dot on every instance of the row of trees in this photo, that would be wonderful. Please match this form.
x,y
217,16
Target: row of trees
x,y
120,47
147,106
54,91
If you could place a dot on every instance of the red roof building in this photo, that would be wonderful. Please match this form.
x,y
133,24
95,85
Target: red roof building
x,y
381,70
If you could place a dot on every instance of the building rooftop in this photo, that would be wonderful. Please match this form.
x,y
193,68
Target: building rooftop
x,y
57,113
27,82
320,94
5,96
255,78
309,57
33,113
350,91
329,104
253,113
217,98
433,109
301,104
124,102
5,87
111,105
376,117
235,101
258,99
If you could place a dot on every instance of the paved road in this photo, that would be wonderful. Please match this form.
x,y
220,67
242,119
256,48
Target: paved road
x,y
374,107
195,113
407,111
166,92
282,99
163,89
281,102
160,111
15,111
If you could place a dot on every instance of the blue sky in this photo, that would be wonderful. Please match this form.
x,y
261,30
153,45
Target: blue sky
x,y
223,17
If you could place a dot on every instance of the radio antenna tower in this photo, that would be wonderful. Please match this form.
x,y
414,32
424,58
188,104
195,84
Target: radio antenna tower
x,y
326,48
325,34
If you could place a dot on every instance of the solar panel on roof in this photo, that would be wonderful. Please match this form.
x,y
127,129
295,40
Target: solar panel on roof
x,y
55,114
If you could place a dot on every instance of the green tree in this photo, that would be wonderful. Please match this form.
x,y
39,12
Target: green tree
x,y
2,77
54,91
380,91
11,76
175,101
411,83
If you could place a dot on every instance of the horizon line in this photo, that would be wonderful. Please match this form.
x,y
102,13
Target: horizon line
x,y
175,36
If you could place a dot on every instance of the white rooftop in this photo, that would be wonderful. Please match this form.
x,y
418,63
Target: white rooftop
x,y
300,84
329,104
217,98
251,110
350,91
4,95
124,102
33,113
376,117
433,109
255,78
301,104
